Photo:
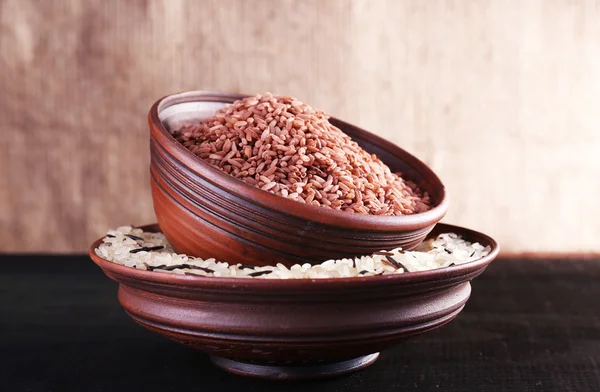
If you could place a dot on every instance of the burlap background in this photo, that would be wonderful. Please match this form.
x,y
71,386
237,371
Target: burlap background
x,y
499,97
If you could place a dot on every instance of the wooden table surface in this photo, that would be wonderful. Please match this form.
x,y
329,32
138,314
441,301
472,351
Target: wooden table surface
x,y
530,325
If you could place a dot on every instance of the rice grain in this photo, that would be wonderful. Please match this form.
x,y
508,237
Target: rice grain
x,y
157,255
277,142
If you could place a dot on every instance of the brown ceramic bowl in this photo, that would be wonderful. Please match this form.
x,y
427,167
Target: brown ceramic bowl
x,y
203,211
296,328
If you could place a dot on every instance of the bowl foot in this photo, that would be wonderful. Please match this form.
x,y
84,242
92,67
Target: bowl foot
x,y
294,372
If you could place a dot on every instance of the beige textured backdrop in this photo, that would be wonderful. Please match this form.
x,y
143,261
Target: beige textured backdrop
x,y
499,97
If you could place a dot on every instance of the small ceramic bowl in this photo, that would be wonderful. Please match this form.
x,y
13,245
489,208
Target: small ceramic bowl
x,y
204,211
303,328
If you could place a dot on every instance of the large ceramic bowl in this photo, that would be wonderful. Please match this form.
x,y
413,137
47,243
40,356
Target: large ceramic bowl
x,y
296,328
203,211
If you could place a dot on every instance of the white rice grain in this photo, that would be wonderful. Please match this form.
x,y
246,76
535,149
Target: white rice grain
x,y
127,246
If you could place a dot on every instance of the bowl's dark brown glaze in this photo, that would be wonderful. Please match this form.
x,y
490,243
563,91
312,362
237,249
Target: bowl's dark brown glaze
x,y
279,321
203,211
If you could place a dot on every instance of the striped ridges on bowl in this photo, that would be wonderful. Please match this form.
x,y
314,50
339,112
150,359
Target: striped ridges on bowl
x,y
287,320
203,211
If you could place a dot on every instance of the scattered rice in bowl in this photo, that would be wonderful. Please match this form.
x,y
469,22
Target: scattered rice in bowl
x,y
133,247
285,147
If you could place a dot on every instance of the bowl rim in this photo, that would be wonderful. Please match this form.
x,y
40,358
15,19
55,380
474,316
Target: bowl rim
x,y
407,278
292,208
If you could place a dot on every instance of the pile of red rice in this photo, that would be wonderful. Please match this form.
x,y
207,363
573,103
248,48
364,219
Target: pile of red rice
x,y
285,147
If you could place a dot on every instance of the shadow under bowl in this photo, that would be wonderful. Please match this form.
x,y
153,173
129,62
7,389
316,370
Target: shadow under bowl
x,y
304,328
204,211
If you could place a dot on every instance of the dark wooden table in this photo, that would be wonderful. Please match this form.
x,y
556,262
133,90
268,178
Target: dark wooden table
x,y
530,325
